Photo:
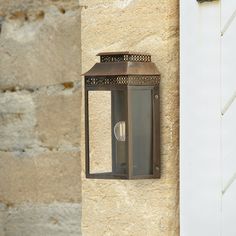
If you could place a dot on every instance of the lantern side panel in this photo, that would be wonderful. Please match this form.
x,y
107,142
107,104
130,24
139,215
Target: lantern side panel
x,y
106,117
141,130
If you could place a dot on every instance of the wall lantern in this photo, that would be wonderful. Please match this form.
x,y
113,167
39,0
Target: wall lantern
x,y
127,83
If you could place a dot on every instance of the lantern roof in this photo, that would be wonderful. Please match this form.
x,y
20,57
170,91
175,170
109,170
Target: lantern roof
x,y
123,53
123,63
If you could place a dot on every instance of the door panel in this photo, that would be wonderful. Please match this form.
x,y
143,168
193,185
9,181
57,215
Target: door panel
x,y
229,144
200,117
229,212
228,93
228,8
208,118
228,42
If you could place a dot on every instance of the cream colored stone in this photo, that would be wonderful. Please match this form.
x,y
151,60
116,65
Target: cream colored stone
x,y
40,46
40,101
9,6
17,121
51,176
139,207
40,52
48,118
58,119
100,131
61,219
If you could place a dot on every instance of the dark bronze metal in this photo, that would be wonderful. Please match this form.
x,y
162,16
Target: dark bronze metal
x,y
122,80
119,71
128,66
200,1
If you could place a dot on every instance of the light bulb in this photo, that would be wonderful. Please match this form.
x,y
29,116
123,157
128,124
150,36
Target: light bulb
x,y
119,131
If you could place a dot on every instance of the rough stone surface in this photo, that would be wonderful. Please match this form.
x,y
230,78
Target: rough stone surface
x,y
40,51
47,118
61,219
48,177
58,118
100,132
40,109
139,207
17,120
40,99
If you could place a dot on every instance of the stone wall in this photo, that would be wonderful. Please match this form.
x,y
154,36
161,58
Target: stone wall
x,y
137,207
40,118
40,108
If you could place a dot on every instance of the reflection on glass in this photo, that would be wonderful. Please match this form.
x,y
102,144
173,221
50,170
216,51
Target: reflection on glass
x,y
141,130
119,142
119,131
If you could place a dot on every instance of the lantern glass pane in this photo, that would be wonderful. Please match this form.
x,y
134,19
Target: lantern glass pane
x,y
100,152
119,134
107,118
141,118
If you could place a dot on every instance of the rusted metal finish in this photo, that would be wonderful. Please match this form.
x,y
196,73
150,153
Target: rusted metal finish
x,y
200,1
123,68
122,80
124,56
118,57
156,133
123,64
126,71
123,53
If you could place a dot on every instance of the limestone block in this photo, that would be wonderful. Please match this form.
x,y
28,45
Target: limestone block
x,y
47,118
48,177
58,118
11,6
42,51
40,99
139,207
17,120
61,219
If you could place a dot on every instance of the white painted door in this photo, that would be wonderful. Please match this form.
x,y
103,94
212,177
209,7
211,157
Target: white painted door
x,y
208,118
228,103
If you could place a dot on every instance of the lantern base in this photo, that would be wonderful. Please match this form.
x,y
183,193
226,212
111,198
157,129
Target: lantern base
x,y
106,175
110,175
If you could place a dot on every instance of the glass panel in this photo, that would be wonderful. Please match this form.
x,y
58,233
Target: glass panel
x,y
119,142
108,132
140,106
100,131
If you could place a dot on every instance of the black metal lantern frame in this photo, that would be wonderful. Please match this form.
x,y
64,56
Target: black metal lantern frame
x,y
133,81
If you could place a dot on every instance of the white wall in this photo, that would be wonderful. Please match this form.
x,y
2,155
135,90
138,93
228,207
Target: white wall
x,y
200,114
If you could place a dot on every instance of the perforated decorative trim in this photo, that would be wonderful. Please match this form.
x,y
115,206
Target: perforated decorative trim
x,y
126,57
122,80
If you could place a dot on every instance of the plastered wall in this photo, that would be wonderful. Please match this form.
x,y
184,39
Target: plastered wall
x,y
137,207
40,106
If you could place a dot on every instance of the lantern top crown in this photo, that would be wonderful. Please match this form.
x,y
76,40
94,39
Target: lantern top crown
x,y
124,56
123,63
